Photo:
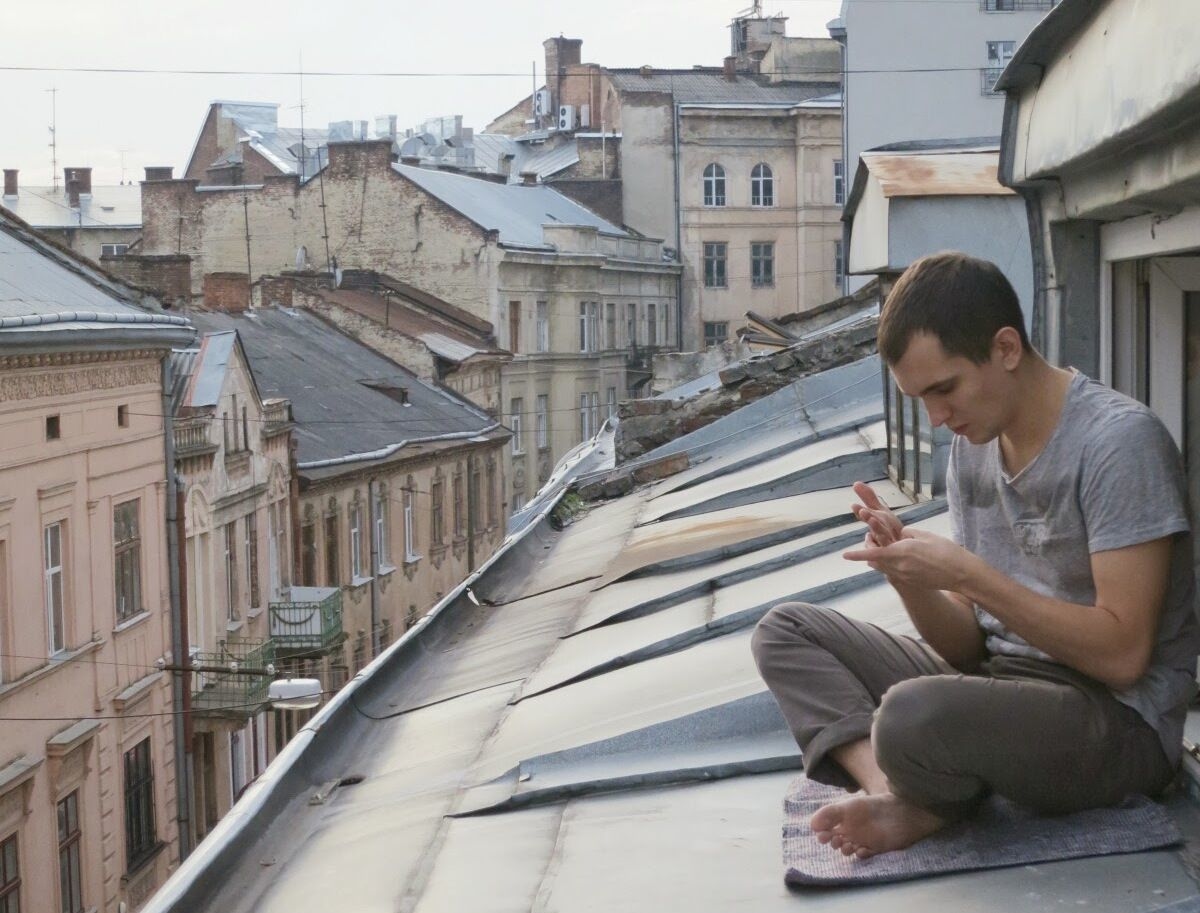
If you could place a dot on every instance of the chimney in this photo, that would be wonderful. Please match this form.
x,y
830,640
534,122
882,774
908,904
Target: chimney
x,y
72,192
159,172
731,69
529,178
10,182
646,70
82,177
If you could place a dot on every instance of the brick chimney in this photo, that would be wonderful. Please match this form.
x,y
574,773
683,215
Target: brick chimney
x,y
159,172
82,177
73,192
529,178
229,292
731,68
10,182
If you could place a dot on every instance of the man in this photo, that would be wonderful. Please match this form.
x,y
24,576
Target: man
x,y
1058,640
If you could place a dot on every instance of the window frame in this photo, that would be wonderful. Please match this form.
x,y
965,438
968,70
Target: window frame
x,y
716,264
717,339
542,420
329,534
516,407
356,549
410,537
839,262
54,581
584,419
714,185
542,326
70,863
250,548
127,561
10,882
437,530
231,570
762,264
141,832
762,186
839,182
383,548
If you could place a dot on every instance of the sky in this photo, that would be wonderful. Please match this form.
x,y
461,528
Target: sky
x,y
118,123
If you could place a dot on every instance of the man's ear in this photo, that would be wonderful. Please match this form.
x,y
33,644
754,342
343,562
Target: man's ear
x,y
1007,347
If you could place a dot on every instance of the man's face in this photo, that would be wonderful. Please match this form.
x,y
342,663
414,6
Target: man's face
x,y
969,399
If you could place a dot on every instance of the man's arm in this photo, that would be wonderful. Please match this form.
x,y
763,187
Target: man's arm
x,y
1110,641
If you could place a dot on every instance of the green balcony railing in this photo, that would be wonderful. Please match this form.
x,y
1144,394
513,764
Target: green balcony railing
x,y
310,622
234,693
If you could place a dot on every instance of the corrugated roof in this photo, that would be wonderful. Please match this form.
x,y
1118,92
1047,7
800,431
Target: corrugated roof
x,y
107,207
711,85
936,173
338,386
516,211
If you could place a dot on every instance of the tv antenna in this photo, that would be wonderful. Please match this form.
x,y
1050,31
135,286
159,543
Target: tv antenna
x,y
53,137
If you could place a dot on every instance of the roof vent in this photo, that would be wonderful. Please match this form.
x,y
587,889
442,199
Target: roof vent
x,y
158,172
647,70
529,178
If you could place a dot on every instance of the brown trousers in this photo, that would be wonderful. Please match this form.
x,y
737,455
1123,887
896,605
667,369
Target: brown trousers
x,y
1038,733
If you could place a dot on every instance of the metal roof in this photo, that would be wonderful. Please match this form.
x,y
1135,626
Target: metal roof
x,y
339,390
516,211
580,726
711,85
105,207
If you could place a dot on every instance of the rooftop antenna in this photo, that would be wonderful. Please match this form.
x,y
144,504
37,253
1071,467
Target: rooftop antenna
x,y
303,148
53,138
123,152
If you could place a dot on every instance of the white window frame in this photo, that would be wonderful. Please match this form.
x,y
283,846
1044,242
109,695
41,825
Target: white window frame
x,y
542,418
762,264
54,581
762,186
113,250
612,402
410,553
585,429
514,423
383,550
356,567
839,182
229,534
543,326
595,408
714,185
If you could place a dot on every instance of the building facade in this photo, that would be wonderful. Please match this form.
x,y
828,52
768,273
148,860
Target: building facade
x,y
88,803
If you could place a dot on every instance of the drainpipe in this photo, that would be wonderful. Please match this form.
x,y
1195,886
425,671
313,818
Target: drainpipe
x,y
678,243
470,513
180,684
371,483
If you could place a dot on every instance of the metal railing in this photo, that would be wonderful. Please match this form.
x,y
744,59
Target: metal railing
x,y
192,436
311,621
987,80
1017,6
234,693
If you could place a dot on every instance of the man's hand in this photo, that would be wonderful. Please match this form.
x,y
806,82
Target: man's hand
x,y
883,526
918,560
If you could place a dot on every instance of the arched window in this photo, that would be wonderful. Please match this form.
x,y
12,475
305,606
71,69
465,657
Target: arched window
x,y
714,185
762,186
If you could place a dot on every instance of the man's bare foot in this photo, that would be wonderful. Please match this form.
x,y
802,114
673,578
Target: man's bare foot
x,y
864,825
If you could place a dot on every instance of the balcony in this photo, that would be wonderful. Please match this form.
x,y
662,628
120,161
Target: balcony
x,y
277,417
229,694
310,623
987,80
192,437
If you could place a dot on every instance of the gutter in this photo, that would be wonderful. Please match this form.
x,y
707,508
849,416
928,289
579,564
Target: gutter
x,y
39,320
384,452
260,796
678,240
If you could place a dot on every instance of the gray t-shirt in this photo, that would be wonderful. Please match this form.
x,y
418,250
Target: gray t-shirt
x,y
1109,477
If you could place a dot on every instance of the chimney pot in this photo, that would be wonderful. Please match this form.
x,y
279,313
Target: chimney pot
x,y
159,172
10,182
529,178
731,68
82,177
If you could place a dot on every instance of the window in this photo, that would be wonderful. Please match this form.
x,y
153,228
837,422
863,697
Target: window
x,y
839,264
631,338
277,544
665,314
225,432
611,397
308,554
10,876
491,494
53,428
122,416
113,250
543,421
762,186
410,539
610,326
651,324
594,320
456,492
514,424
589,326
332,577
55,591
250,524
714,264
245,430
543,326
715,333
356,555
127,560
595,402
383,549
231,588
714,185
140,837
514,326
518,502
999,53
762,264
585,418
839,182
70,873
474,515
436,529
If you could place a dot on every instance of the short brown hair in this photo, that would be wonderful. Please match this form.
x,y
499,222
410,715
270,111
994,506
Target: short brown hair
x,y
961,300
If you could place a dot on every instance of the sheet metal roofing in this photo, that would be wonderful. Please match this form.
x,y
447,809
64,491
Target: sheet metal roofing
x,y
105,207
711,85
580,726
936,173
47,293
516,211
346,399
544,160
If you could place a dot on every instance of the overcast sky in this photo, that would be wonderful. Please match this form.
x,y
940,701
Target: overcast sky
x,y
153,118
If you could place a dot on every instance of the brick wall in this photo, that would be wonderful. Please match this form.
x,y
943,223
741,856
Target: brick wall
x,y
169,276
227,291
602,197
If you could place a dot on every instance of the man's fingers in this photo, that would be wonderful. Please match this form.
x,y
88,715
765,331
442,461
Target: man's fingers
x,y
868,496
864,554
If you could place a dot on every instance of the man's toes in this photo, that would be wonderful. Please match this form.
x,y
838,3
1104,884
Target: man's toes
x,y
864,853
848,848
825,836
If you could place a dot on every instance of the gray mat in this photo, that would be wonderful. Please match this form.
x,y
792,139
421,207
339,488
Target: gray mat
x,y
1002,834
